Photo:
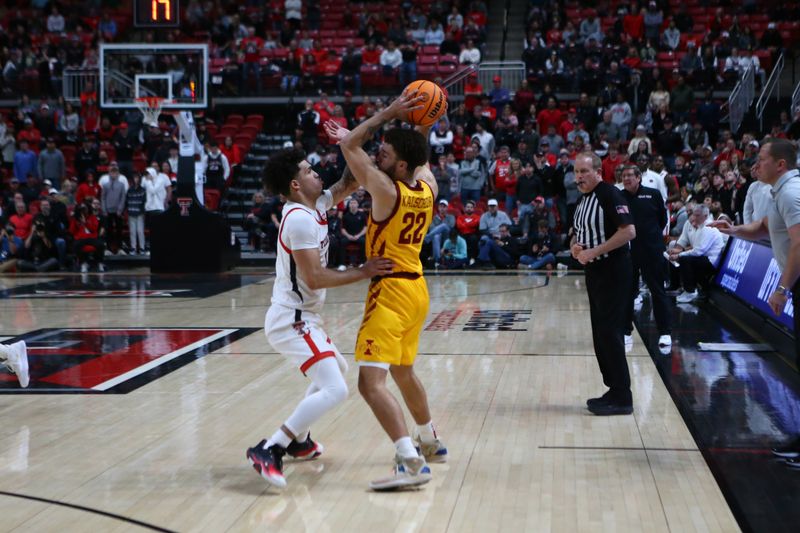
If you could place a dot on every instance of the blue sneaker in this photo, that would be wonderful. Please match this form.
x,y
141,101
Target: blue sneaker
x,y
407,472
434,452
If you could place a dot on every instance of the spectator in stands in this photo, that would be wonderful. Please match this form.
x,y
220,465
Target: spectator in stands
x,y
697,251
391,58
11,247
633,23
53,214
441,226
51,164
434,35
21,219
231,151
491,220
472,175
552,143
772,38
444,175
354,228
8,144
86,232
485,140
350,70
669,144
541,254
690,63
565,174
308,122
622,115
112,200
40,251
87,189
440,139
470,55
454,251
500,249
25,162
135,201
69,123
55,22
499,96
653,19
217,168
408,69
671,38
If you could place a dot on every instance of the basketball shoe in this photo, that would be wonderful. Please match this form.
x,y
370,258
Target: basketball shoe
x,y
407,472
15,357
268,463
434,452
305,450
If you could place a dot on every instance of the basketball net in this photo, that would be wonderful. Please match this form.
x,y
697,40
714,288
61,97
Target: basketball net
x,y
150,106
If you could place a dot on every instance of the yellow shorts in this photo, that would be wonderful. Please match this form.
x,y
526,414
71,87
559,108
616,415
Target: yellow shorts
x,y
394,314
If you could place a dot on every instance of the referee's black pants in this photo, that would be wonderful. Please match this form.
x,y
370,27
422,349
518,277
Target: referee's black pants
x,y
652,267
608,283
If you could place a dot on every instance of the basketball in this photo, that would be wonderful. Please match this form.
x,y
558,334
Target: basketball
x,y
434,104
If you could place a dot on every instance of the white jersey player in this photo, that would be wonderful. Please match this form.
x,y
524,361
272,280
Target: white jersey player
x,y
292,324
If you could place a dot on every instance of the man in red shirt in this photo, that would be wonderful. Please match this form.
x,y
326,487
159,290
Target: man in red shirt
x,y
611,163
633,23
472,92
371,54
31,134
22,220
551,116
85,229
501,168
87,189
250,48
568,124
467,226
330,67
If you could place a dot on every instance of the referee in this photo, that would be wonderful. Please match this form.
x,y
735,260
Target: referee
x,y
603,228
647,252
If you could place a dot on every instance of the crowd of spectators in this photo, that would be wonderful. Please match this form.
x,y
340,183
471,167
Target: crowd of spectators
x,y
503,160
68,198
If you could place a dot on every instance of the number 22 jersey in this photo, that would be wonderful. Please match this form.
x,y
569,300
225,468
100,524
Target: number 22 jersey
x,y
399,237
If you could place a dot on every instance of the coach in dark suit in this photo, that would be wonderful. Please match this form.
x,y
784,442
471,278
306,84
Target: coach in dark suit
x,y
647,251
603,227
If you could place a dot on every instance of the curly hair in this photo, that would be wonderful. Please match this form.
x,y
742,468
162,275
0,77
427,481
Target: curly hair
x,y
281,168
410,146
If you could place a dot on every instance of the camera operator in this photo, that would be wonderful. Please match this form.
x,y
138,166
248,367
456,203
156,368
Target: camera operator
x,y
10,247
40,251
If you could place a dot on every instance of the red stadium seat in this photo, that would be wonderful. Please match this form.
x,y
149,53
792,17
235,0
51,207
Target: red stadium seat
x,y
234,120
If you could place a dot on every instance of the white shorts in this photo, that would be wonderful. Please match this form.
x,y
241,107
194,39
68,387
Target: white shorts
x,y
300,338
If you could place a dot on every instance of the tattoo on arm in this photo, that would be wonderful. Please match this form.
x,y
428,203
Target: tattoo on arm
x,y
348,180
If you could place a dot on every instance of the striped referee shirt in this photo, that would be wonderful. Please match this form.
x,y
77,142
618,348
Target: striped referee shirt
x,y
599,215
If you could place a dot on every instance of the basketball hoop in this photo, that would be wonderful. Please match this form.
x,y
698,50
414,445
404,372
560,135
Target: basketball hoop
x,y
150,106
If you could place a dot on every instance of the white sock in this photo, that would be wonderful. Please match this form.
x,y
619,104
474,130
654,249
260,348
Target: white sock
x,y
405,447
426,432
3,352
280,438
302,437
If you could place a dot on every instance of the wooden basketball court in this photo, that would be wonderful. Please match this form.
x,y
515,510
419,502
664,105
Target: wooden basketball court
x,y
507,361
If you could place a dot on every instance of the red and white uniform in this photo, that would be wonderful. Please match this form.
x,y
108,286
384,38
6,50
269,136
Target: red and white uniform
x,y
293,325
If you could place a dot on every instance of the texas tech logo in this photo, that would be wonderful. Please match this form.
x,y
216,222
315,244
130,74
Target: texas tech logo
x,y
185,204
111,360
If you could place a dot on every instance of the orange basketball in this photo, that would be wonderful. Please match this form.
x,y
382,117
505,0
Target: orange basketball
x,y
433,105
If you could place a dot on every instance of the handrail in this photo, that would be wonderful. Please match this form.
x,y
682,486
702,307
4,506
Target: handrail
x,y
795,100
741,98
772,85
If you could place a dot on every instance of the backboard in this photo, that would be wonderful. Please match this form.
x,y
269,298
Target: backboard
x,y
177,72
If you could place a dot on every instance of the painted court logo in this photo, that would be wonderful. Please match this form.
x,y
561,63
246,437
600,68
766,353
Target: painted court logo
x,y
111,360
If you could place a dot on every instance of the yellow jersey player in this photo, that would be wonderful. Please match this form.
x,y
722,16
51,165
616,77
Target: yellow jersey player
x,y
403,191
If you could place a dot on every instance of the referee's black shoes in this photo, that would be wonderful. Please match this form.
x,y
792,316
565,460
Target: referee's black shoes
x,y
607,405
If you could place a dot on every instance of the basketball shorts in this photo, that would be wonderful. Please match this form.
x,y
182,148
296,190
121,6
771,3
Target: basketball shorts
x,y
394,314
299,337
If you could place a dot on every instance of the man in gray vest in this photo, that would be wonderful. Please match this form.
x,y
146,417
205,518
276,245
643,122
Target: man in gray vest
x,y
777,166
